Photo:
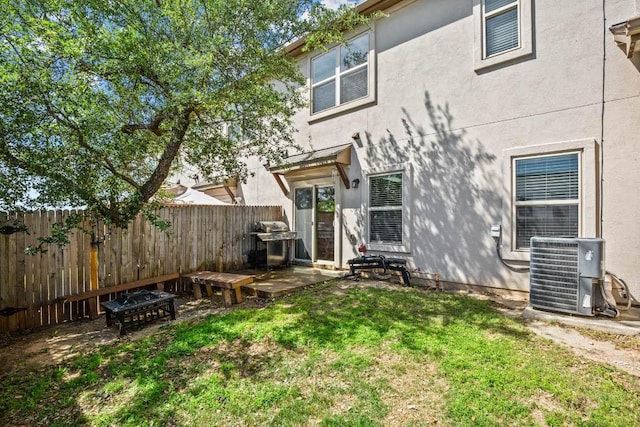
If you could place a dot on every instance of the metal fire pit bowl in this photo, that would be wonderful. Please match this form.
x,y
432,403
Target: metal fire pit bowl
x,y
137,308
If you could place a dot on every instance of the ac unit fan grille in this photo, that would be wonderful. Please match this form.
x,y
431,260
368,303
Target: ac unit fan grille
x,y
554,275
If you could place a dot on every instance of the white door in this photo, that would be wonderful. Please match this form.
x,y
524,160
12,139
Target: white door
x,y
325,207
315,210
303,200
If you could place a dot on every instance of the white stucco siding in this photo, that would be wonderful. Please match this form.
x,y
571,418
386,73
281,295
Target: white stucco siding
x,y
452,125
261,187
621,194
621,155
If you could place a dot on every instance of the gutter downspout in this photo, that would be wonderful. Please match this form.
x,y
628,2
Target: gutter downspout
x,y
600,232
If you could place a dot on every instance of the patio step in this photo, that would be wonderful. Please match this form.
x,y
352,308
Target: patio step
x,y
283,281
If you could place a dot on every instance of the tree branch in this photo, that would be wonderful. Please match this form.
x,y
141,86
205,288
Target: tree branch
x,y
153,126
161,171
61,117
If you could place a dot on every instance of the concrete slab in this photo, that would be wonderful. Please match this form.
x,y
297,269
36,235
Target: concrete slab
x,y
281,281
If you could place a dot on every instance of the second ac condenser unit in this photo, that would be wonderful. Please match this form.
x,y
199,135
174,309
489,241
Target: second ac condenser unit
x,y
566,274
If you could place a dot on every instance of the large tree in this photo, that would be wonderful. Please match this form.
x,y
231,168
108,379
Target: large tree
x,y
100,99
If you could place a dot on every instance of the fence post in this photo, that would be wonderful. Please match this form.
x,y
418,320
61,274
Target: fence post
x,y
221,242
93,279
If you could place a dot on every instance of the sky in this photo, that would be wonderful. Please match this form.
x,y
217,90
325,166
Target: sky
x,y
334,4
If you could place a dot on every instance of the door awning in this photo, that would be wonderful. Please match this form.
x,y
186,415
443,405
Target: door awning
x,y
314,164
627,34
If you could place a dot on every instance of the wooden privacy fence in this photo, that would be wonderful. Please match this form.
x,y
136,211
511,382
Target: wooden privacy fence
x,y
200,237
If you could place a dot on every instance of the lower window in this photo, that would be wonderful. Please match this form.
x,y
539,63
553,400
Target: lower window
x,y
385,209
546,197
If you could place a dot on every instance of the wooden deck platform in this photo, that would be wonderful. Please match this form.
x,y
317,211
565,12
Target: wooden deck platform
x,y
265,284
281,281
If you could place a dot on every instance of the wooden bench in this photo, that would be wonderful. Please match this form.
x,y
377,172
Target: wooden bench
x,y
158,281
224,281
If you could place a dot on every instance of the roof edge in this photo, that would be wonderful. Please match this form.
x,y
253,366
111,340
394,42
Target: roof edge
x,y
366,8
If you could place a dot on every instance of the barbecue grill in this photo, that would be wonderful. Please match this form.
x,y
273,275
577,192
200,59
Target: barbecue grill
x,y
273,240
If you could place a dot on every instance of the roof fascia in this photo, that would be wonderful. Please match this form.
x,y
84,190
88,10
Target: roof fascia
x,y
366,8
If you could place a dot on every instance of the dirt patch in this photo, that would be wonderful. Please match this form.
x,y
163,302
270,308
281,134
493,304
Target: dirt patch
x,y
596,350
621,352
415,394
358,283
541,403
53,345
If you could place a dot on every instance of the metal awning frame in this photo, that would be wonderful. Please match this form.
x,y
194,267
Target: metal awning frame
x,y
627,34
337,157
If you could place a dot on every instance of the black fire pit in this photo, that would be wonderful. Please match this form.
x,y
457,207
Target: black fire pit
x,y
137,308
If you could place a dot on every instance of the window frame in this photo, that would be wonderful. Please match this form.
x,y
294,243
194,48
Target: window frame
x,y
515,4
405,170
588,211
548,202
335,49
386,208
525,34
234,131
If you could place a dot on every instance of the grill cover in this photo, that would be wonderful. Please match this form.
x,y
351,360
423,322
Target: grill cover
x,y
272,237
271,226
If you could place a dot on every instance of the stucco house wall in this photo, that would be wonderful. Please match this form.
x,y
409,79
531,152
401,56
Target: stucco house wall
x,y
453,126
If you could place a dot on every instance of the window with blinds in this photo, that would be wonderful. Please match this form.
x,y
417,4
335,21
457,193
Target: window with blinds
x,y
340,75
501,26
385,208
546,197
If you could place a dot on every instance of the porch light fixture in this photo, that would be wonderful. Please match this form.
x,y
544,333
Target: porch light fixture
x,y
355,183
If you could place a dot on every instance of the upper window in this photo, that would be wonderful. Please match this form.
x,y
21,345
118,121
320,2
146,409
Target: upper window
x,y
501,26
504,31
340,75
385,209
235,132
546,197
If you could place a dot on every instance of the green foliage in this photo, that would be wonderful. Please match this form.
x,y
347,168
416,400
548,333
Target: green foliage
x,y
59,233
101,100
330,357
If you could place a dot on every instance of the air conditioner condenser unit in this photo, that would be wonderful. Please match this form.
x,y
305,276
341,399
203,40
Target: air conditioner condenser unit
x,y
566,275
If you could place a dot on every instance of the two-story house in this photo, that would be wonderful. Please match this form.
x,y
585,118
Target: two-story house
x,y
445,117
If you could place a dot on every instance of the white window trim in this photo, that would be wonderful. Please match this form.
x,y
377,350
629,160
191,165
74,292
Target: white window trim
x,y
356,103
407,180
515,4
228,132
515,204
525,37
588,213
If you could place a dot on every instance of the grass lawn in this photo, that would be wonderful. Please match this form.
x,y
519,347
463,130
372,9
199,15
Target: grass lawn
x,y
335,355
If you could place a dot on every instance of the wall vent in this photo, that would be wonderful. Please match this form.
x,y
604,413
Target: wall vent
x,y
566,274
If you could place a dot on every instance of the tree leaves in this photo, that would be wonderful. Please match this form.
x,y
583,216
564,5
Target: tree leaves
x,y
101,99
